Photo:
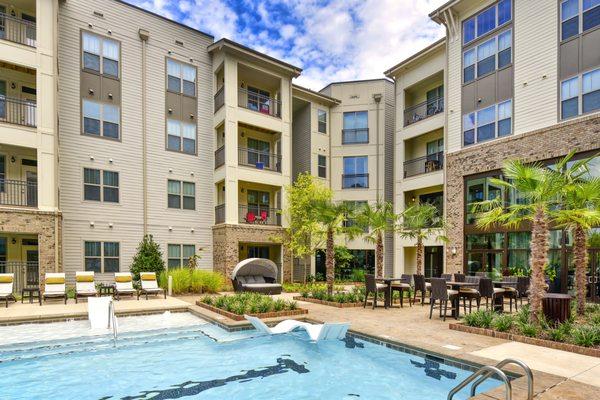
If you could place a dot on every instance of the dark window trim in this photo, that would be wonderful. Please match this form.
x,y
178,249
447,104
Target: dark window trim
x,y
102,254
495,4
101,186
120,61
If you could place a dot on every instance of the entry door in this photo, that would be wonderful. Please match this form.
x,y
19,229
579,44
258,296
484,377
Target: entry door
x,y
29,191
29,253
434,261
258,252
593,276
28,108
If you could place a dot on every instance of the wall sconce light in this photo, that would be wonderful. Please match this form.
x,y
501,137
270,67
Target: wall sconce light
x,y
242,190
413,199
170,170
92,158
192,230
453,250
12,159
110,225
92,224
170,228
110,160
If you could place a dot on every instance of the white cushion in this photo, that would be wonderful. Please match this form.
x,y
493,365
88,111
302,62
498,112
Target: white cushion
x,y
261,285
401,285
381,285
499,290
6,289
452,292
54,288
427,284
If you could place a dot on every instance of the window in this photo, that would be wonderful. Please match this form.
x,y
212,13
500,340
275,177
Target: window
x,y
181,78
570,103
354,207
259,151
322,120
101,119
481,60
259,206
100,185
488,123
181,136
259,100
101,257
591,91
179,255
578,16
487,20
100,55
356,127
569,98
434,147
322,166
355,173
480,189
181,195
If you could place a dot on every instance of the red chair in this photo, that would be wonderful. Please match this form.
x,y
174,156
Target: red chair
x,y
250,217
263,216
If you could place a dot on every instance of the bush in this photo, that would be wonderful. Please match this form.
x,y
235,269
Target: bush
x,y
358,275
586,336
528,329
148,258
249,303
480,319
186,280
503,322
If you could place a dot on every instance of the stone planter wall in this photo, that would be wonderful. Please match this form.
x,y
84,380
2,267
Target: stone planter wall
x,y
236,317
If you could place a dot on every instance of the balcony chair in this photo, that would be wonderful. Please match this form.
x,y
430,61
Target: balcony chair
x,y
250,217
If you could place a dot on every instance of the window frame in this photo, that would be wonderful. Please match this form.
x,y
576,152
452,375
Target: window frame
x,y
322,167
182,260
354,129
320,113
101,121
580,95
181,195
496,121
182,65
102,257
345,173
475,48
579,15
497,25
101,186
181,137
101,56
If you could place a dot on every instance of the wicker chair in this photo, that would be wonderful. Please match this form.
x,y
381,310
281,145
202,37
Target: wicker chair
x,y
523,287
446,277
420,286
487,290
441,293
403,286
470,293
459,277
511,291
374,288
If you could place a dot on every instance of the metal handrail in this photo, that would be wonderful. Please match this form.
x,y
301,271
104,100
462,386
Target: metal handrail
x,y
423,110
219,98
17,30
489,371
220,156
18,111
501,364
112,322
259,103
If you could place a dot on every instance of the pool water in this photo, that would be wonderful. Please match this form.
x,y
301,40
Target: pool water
x,y
204,361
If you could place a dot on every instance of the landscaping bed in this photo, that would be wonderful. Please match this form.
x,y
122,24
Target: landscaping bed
x,y
329,303
254,304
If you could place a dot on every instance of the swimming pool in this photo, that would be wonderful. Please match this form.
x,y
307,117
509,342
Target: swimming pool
x,y
203,361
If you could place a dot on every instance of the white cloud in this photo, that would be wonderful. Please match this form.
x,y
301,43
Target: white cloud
x,y
212,16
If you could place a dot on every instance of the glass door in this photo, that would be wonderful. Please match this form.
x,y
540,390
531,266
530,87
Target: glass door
x,y
593,276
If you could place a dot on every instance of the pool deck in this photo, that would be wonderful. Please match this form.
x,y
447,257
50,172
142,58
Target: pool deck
x,y
558,374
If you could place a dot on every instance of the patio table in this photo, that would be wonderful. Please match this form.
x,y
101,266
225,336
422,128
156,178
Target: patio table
x,y
456,286
388,290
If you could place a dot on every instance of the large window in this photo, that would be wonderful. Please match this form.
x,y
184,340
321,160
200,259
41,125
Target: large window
x,y
259,100
179,255
101,257
101,119
181,136
578,16
181,78
478,190
355,207
488,123
100,54
356,127
99,185
322,166
485,58
259,151
181,195
322,121
487,20
580,94
356,172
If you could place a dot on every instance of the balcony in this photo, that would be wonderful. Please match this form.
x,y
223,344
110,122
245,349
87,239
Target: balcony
x,y
423,165
220,214
219,157
219,98
26,273
355,181
18,193
17,30
355,136
259,159
423,110
255,101
259,215
17,111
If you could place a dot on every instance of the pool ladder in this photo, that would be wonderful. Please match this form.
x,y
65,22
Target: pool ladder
x,y
488,371
112,322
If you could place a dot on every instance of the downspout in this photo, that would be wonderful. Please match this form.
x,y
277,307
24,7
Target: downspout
x,y
144,35
377,98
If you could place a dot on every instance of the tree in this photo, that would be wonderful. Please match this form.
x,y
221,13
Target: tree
x,y
375,220
539,189
148,258
419,222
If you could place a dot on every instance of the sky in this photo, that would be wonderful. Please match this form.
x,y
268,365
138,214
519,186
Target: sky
x,y
331,40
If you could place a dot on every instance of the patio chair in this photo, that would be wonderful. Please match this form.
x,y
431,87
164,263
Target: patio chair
x,y
403,286
481,274
6,287
250,217
510,290
85,286
420,286
54,286
256,275
372,287
470,293
459,277
264,216
124,285
150,285
523,287
446,277
441,293
487,290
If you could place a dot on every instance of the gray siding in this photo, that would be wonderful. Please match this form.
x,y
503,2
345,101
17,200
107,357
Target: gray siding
x,y
388,188
301,133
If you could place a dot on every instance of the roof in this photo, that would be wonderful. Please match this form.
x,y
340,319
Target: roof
x,y
295,71
442,8
419,54
312,93
356,81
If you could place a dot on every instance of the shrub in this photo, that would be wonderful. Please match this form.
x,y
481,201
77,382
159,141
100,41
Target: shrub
x,y
148,258
480,319
249,303
528,329
523,315
207,281
557,335
186,280
503,323
586,335
358,275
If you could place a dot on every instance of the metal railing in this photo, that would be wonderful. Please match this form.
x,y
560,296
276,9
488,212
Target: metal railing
x,y
501,364
423,165
423,110
17,30
112,321
259,159
355,181
219,156
219,98
259,103
220,214
27,273
355,136
18,193
17,111
259,215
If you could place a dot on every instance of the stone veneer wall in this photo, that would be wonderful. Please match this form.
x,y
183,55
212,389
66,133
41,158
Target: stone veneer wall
x,y
43,224
226,239
580,135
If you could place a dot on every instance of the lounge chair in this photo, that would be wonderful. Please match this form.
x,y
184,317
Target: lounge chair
x,y
54,286
124,285
6,287
256,275
316,332
85,286
150,285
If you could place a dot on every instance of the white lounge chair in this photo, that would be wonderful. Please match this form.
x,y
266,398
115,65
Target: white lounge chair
x,y
6,287
316,332
150,285
54,286
85,285
124,285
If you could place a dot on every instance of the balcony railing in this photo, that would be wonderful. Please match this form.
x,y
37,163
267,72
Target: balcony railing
x,y
220,214
17,30
423,110
219,98
259,215
355,136
259,159
18,193
259,103
26,273
219,156
423,165
355,181
17,111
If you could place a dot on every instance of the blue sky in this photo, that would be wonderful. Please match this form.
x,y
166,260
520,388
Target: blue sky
x,y
332,40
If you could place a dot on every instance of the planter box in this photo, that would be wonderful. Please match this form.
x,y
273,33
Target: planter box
x,y
573,348
328,303
236,317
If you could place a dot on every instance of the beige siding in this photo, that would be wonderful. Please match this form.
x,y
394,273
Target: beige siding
x,y
301,134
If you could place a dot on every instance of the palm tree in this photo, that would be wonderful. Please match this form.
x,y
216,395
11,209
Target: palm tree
x,y
420,222
540,190
375,220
